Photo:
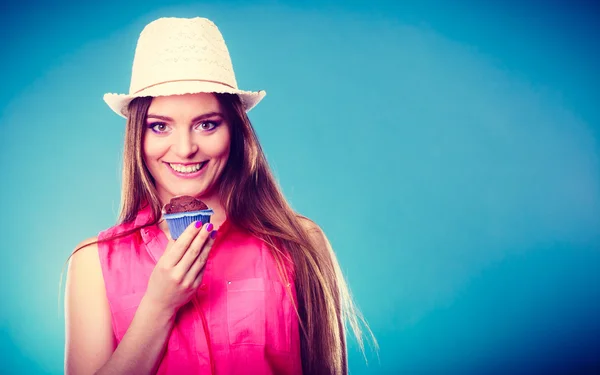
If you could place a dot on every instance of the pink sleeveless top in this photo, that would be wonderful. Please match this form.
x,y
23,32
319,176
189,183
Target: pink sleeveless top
x,y
241,321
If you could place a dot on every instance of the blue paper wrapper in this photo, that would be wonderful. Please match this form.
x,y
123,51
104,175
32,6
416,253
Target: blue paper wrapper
x,y
181,220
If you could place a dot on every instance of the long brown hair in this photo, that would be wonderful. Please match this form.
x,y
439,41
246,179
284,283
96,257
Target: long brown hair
x,y
252,200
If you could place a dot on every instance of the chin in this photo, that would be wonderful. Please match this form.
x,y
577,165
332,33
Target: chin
x,y
191,192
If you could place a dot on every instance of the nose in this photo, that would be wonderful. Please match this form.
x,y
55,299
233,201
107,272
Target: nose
x,y
185,146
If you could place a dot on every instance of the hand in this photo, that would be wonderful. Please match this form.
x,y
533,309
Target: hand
x,y
179,270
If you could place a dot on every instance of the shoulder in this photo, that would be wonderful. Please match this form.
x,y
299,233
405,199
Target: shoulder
x,y
116,230
308,224
84,272
315,233
85,257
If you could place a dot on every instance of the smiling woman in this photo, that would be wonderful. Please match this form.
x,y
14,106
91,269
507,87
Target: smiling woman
x,y
258,290
187,146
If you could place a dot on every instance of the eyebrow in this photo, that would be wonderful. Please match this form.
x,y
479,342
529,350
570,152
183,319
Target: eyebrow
x,y
195,119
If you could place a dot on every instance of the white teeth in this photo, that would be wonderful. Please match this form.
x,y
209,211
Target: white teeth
x,y
186,168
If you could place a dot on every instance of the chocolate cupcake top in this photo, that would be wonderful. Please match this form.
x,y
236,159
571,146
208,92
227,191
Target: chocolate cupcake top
x,y
183,203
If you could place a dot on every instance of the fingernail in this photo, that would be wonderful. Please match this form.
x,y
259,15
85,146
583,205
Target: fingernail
x,y
209,227
213,234
198,224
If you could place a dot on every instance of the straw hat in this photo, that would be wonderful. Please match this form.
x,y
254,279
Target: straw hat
x,y
176,56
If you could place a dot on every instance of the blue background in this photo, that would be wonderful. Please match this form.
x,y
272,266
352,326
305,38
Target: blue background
x,y
448,149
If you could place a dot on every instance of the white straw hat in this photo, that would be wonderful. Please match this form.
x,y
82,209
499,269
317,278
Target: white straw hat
x,y
176,56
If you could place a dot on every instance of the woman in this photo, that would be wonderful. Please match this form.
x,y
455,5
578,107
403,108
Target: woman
x,y
256,291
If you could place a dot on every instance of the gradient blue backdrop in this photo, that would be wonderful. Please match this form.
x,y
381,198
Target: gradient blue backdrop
x,y
448,149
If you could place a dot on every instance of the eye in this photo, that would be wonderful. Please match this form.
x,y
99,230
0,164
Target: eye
x,y
158,127
208,125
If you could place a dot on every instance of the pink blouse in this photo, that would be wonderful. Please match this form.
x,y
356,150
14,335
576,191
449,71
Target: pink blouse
x,y
242,319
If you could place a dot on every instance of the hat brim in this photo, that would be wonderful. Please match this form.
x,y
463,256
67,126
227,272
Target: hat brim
x,y
119,102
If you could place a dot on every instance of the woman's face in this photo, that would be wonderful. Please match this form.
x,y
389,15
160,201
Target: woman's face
x,y
186,144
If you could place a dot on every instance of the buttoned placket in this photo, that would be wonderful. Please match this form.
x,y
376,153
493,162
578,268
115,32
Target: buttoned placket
x,y
155,243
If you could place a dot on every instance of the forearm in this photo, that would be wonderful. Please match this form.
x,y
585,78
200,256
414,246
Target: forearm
x,y
142,347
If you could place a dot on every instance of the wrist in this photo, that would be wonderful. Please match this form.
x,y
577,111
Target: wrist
x,y
155,312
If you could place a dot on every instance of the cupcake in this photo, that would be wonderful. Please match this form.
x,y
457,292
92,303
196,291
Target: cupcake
x,y
183,210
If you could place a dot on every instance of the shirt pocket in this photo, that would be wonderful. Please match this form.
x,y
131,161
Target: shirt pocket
x,y
258,313
124,309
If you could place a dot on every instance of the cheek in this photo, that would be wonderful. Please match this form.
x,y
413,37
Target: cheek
x,y
218,147
150,154
151,149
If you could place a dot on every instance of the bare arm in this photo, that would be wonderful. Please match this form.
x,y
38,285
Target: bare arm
x,y
142,347
90,345
86,314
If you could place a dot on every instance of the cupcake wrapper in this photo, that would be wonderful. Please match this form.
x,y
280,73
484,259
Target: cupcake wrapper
x,y
180,221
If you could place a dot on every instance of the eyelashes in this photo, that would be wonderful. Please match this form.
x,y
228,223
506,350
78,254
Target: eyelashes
x,y
155,125
204,126
214,124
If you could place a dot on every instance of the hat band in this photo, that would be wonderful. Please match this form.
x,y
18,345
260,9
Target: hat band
x,y
182,80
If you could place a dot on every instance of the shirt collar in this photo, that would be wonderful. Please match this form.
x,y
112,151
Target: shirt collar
x,y
153,238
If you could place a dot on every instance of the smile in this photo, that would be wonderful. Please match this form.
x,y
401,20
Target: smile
x,y
189,168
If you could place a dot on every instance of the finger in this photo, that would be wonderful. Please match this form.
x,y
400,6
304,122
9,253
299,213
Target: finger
x,y
177,249
194,250
196,272
197,267
198,280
